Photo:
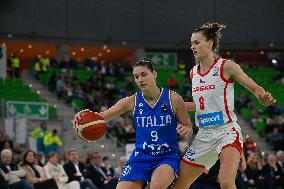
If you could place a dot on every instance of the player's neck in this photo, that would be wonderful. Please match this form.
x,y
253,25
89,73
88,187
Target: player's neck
x,y
152,95
206,62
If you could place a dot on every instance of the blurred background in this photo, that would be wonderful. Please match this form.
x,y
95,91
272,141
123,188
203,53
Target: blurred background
x,y
59,57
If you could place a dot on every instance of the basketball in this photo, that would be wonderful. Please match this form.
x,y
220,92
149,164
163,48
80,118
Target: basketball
x,y
91,127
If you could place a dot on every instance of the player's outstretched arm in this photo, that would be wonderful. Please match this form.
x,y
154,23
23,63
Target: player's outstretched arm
x,y
185,127
233,71
190,106
119,108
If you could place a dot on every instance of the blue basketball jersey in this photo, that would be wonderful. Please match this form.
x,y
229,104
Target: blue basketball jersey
x,y
155,125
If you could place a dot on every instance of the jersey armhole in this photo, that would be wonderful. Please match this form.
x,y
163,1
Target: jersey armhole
x,y
170,100
222,73
135,102
191,73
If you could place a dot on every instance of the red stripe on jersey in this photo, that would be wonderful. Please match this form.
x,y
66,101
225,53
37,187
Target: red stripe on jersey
x,y
222,73
237,144
203,74
226,102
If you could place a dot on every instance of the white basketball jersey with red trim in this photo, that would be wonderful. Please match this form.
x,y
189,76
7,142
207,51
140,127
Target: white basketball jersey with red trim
x,y
213,95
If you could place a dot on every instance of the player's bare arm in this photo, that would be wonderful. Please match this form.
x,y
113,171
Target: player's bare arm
x,y
190,106
232,71
184,128
119,108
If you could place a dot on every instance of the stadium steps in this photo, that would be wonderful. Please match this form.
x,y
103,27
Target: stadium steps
x,y
65,114
262,145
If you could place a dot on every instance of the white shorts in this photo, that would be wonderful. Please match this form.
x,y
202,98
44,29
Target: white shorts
x,y
208,143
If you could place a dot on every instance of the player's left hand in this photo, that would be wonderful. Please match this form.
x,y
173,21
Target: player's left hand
x,y
266,99
184,130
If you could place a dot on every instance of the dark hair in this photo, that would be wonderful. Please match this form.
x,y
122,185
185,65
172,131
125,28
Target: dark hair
x,y
212,31
146,63
25,156
51,154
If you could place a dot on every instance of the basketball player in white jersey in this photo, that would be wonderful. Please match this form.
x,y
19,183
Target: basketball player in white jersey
x,y
219,135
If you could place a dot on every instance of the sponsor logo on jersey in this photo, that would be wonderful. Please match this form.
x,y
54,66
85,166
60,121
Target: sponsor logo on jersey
x,y
140,104
156,149
210,119
203,88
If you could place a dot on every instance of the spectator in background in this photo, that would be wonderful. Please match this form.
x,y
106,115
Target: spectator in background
x,y
60,86
249,145
280,159
172,82
273,174
4,141
97,175
51,142
15,65
118,170
56,171
76,171
39,134
35,173
3,183
45,63
12,172
254,172
107,167
41,158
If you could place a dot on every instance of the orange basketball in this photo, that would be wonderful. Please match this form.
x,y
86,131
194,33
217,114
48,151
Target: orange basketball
x,y
91,127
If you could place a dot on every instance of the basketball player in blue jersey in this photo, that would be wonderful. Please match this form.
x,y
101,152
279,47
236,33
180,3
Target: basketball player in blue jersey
x,y
157,112
219,135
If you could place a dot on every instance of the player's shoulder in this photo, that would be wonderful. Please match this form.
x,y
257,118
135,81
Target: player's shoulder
x,y
175,96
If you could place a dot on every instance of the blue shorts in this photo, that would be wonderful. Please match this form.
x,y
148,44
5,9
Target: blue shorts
x,y
140,166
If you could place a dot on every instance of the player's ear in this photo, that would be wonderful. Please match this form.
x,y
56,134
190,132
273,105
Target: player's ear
x,y
155,74
210,43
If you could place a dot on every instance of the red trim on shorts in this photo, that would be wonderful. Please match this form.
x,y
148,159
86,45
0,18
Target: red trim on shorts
x,y
236,143
198,67
226,102
192,164
222,73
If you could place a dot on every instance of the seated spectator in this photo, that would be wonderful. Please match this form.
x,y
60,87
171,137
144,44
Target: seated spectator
x,y
35,173
107,167
12,172
76,171
254,172
55,171
273,173
118,170
3,183
97,175
280,159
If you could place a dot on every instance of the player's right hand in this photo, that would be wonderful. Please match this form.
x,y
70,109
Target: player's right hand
x,y
78,117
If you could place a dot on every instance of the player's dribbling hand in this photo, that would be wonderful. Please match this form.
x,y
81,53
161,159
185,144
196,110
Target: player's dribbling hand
x,y
184,130
78,117
266,99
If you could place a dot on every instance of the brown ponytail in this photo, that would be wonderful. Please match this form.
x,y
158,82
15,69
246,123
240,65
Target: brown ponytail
x,y
212,31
